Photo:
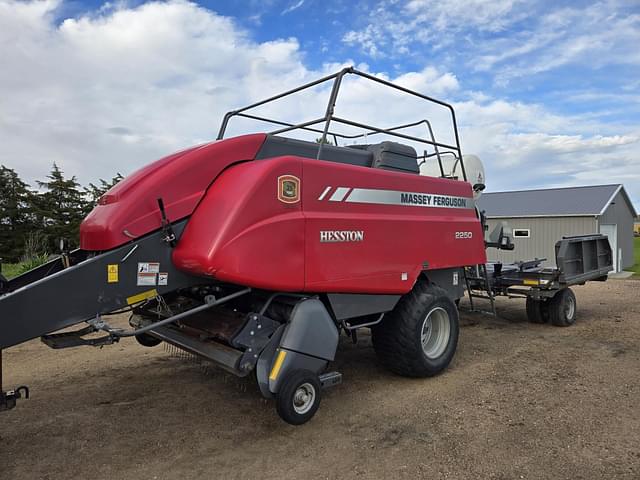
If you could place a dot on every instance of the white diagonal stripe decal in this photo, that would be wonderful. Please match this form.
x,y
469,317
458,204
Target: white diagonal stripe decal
x,y
324,194
339,194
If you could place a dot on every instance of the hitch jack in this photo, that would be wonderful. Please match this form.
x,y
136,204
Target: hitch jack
x,y
9,398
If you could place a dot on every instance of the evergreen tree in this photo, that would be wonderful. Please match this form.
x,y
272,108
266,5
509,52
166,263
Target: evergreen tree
x,y
326,142
16,214
60,208
94,192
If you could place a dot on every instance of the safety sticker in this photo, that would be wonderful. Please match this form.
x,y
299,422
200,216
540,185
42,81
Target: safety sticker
x,y
146,278
148,267
163,278
112,273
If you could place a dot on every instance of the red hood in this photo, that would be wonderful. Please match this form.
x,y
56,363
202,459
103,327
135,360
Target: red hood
x,y
181,179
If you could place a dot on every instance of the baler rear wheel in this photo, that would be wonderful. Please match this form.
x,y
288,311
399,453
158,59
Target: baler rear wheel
x,y
298,398
419,337
537,310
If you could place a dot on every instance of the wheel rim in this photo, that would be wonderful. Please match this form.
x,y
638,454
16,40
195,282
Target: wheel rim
x,y
303,398
570,308
436,330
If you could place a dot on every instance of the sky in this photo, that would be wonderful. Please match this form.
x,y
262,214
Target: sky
x,y
547,93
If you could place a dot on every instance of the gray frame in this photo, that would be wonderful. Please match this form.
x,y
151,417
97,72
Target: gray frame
x,y
329,117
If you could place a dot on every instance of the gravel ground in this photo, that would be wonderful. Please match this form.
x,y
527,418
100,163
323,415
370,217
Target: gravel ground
x,y
519,401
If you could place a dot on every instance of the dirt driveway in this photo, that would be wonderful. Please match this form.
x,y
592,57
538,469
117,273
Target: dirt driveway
x,y
519,401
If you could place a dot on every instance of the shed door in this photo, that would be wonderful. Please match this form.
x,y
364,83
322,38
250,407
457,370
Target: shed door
x,y
611,231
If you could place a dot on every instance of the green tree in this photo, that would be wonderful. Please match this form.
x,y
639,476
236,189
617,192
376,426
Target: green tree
x,y
16,214
94,192
326,142
60,208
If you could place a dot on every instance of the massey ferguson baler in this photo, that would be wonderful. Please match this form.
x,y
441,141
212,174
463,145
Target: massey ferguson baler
x,y
256,252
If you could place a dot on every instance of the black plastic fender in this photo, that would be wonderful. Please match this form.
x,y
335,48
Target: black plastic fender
x,y
311,330
308,341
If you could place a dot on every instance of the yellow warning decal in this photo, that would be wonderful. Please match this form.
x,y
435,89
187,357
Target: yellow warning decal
x,y
141,297
112,273
530,282
277,365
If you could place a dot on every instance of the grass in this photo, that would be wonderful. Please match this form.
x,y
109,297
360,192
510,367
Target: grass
x,y
636,255
10,270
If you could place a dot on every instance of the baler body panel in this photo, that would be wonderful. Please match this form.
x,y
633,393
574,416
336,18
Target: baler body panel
x,y
130,209
243,233
399,239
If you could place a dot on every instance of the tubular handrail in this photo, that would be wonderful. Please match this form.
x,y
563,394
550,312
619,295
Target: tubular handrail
x,y
329,116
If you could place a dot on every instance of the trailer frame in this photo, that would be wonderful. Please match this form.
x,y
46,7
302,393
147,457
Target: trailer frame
x,y
579,259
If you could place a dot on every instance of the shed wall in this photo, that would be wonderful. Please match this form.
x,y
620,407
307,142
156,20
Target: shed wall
x,y
619,213
545,232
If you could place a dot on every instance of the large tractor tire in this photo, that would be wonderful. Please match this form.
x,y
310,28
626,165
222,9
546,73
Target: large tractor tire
x,y
537,310
562,308
419,337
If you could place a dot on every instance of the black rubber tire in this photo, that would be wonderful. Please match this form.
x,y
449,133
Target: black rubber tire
x,y
287,392
537,310
561,312
397,340
147,340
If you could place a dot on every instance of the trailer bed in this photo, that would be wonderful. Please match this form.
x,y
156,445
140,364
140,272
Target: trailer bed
x,y
579,259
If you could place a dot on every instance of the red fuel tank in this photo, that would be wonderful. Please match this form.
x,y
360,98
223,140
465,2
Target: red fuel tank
x,y
130,209
298,224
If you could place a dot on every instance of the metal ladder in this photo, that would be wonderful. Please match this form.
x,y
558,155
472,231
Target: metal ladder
x,y
487,294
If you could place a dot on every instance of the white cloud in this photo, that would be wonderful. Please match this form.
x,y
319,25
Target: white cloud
x,y
594,37
293,6
368,40
443,15
394,28
112,90
508,38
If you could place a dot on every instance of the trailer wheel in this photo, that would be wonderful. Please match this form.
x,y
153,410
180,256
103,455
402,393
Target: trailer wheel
x,y
419,337
147,340
299,397
562,308
537,310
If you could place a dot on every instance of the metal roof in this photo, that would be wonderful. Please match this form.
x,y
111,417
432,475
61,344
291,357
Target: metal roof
x,y
552,202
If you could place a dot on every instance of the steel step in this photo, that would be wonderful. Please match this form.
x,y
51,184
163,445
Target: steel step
x,y
75,339
330,379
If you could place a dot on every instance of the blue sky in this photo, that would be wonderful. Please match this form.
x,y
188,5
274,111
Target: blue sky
x,y
548,93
